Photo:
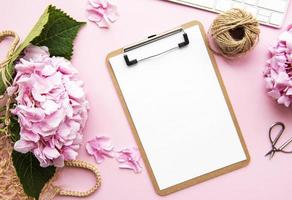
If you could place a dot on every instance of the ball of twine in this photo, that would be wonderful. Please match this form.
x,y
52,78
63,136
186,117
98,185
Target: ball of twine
x,y
234,32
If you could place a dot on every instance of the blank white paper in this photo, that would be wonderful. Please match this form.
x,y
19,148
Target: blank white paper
x,y
179,110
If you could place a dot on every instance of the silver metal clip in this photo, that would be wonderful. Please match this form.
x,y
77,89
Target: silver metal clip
x,y
151,39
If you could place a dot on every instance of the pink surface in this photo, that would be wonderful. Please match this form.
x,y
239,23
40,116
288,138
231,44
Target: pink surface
x,y
262,179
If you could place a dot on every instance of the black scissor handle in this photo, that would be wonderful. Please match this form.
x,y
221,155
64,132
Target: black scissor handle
x,y
273,142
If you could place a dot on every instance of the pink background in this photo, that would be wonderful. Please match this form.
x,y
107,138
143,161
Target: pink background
x,y
261,179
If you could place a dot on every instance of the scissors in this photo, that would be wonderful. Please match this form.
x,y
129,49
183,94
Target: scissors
x,y
274,142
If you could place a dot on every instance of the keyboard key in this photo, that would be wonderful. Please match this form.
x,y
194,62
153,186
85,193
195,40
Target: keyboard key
x,y
252,2
277,5
277,18
238,5
252,9
223,5
263,18
205,3
264,12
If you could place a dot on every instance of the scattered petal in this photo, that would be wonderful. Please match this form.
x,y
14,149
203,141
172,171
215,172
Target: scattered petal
x,y
102,12
129,159
99,147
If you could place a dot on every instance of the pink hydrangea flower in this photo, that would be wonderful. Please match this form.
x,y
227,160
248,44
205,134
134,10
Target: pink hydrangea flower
x,y
50,105
102,12
278,71
129,158
100,147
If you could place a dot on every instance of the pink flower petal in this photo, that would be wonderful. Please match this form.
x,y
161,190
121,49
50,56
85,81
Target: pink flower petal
x,y
69,154
36,53
104,22
289,91
102,12
274,93
51,153
59,162
74,90
287,38
11,90
95,3
99,147
112,12
64,66
48,70
38,152
55,119
37,95
34,114
282,78
284,100
49,107
94,15
29,135
64,130
23,146
129,159
24,121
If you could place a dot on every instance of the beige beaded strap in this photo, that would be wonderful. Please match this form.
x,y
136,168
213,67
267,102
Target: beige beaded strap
x,y
50,190
85,165
5,62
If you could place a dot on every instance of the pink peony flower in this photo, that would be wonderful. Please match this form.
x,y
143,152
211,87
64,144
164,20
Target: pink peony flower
x,y
278,71
50,105
129,159
100,147
102,12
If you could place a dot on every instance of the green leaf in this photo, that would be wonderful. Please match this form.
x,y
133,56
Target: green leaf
x,y
32,177
14,129
36,31
56,30
59,33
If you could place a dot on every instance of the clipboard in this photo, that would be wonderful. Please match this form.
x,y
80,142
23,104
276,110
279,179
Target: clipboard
x,y
138,70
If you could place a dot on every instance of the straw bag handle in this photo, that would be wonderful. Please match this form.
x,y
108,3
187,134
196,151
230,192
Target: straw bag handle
x,y
84,165
51,190
5,62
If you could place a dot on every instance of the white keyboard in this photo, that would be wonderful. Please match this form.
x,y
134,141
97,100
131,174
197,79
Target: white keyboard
x,y
268,12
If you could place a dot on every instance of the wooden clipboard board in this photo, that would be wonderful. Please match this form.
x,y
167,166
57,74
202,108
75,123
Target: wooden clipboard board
x,y
198,179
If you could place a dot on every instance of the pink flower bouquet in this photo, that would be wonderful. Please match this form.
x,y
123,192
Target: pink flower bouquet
x,y
278,71
50,106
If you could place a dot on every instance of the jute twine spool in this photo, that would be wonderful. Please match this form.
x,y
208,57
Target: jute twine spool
x,y
234,32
